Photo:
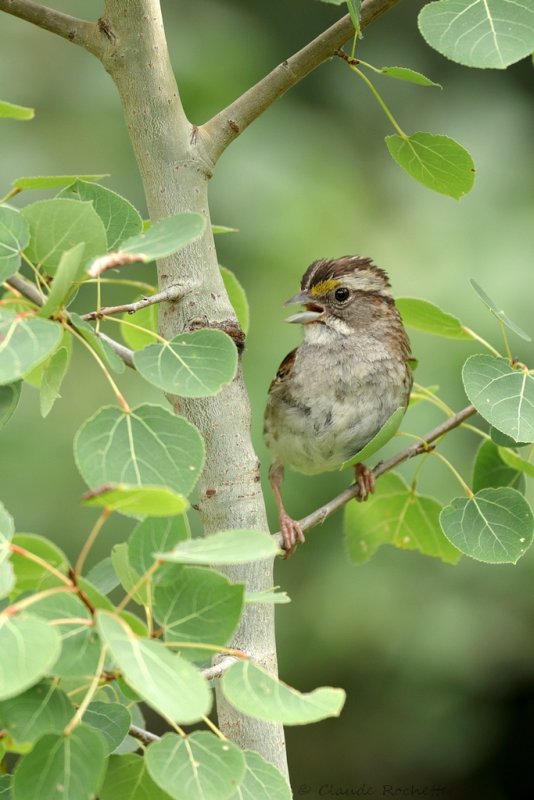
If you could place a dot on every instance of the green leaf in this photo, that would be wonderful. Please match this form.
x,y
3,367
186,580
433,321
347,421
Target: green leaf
x,y
128,577
410,75
165,681
267,596
144,501
7,578
490,470
62,766
42,709
149,446
502,395
262,781
166,236
52,181
7,529
196,364
121,220
257,693
225,547
237,296
199,606
438,162
127,778
53,378
14,237
5,787
479,33
29,650
12,111
503,440
396,515
146,318
113,720
201,767
216,229
154,535
103,576
9,400
100,347
499,313
80,646
70,270
516,462
425,316
29,574
494,526
24,342
57,225
381,438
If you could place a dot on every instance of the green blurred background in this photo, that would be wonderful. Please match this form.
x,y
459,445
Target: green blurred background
x,y
438,661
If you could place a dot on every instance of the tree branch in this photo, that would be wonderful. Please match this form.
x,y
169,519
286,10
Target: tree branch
x,y
146,737
171,293
320,514
29,291
222,129
80,31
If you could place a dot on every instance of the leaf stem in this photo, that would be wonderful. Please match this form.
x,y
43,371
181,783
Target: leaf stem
x,y
455,472
82,708
35,598
21,551
380,100
137,327
89,542
506,342
143,579
214,728
10,194
482,341
433,398
118,394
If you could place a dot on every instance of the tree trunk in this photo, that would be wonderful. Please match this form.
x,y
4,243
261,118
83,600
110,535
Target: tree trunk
x,y
175,178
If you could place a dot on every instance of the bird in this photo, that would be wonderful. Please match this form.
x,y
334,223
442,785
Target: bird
x,y
334,392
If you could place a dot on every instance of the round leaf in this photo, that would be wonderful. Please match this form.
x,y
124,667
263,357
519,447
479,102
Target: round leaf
x,y
29,574
42,709
144,501
256,692
113,720
149,446
165,681
201,767
9,400
127,778
225,547
438,162
479,33
166,236
491,471
120,218
502,395
425,316
199,606
146,318
502,440
196,364
396,515
262,780
14,237
495,525
30,648
24,342
153,535
58,225
62,766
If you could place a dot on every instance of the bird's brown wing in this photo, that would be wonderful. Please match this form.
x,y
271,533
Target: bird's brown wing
x,y
284,370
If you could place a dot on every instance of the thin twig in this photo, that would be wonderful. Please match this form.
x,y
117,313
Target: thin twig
x,y
171,293
216,134
80,31
113,261
28,290
146,737
219,668
416,449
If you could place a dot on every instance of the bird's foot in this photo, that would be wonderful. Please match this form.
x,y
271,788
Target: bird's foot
x,y
365,480
292,534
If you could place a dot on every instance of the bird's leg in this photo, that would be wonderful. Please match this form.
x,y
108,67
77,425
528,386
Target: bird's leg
x,y
290,529
365,480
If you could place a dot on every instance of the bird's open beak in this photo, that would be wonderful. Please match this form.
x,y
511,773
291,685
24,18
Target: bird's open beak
x,y
314,311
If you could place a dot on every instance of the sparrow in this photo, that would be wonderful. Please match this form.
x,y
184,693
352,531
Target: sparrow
x,y
335,391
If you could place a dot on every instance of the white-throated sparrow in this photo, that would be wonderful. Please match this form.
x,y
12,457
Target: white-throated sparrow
x,y
334,392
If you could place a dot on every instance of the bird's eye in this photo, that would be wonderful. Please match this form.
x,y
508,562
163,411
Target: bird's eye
x,y
342,294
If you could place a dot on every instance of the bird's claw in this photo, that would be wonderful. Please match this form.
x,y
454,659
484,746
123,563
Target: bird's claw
x,y
291,534
366,481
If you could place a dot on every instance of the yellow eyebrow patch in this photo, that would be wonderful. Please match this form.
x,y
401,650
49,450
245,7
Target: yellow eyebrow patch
x,y
323,287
